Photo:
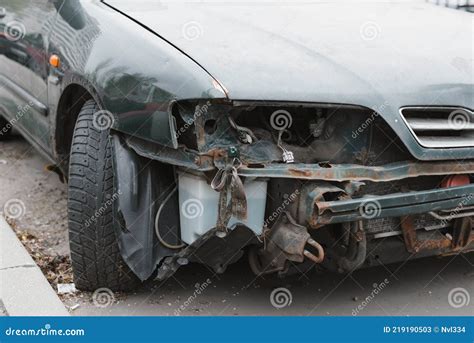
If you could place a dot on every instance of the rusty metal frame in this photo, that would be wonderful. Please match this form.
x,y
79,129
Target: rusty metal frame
x,y
391,205
462,230
355,172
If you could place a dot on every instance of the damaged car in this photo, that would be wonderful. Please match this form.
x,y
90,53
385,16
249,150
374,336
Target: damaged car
x,y
329,135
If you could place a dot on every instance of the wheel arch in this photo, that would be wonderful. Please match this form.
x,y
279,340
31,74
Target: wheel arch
x,y
70,103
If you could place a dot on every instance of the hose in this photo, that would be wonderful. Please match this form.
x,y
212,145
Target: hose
x,y
242,129
157,230
357,250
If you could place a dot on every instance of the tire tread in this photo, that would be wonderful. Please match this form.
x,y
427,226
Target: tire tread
x,y
95,253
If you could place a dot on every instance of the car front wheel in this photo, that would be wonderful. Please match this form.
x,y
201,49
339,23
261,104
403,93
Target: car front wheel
x,y
95,253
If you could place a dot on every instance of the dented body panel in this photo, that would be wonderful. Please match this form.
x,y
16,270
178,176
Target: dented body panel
x,y
296,112
300,53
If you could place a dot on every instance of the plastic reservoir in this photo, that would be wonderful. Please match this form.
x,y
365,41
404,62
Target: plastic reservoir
x,y
198,204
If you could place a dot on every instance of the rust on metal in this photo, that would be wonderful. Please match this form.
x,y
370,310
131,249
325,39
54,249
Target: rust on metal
x,y
462,232
298,172
356,172
315,258
415,245
293,241
409,234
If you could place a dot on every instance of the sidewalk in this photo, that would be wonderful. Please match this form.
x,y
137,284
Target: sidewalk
x,y
24,291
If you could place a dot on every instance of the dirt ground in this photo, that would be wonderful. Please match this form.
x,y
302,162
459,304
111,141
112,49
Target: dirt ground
x,y
419,287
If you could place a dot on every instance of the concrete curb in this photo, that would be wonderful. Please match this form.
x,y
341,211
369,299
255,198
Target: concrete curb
x,y
24,290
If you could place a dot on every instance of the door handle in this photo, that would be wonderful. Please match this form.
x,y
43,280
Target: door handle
x,y
3,12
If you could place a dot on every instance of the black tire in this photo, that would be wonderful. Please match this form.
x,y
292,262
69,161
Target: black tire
x,y
95,253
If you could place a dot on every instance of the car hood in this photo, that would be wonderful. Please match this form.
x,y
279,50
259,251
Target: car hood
x,y
374,54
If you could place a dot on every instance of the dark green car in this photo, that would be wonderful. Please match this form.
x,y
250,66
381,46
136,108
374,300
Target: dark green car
x,y
338,135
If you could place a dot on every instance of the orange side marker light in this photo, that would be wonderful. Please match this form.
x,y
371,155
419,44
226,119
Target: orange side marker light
x,y
54,61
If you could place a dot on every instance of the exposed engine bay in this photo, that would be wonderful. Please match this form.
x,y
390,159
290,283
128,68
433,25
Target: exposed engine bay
x,y
293,186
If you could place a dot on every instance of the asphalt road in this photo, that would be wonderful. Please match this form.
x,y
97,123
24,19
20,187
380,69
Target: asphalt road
x,y
432,286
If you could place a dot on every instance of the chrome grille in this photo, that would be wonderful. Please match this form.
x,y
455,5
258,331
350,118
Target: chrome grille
x,y
440,127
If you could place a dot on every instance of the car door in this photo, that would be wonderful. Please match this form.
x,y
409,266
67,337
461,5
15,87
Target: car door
x,y
24,29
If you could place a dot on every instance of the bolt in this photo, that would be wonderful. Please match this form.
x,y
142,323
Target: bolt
x,y
182,261
233,151
221,234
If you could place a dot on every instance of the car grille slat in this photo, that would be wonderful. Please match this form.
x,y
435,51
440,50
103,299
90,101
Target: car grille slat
x,y
444,142
422,124
440,127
